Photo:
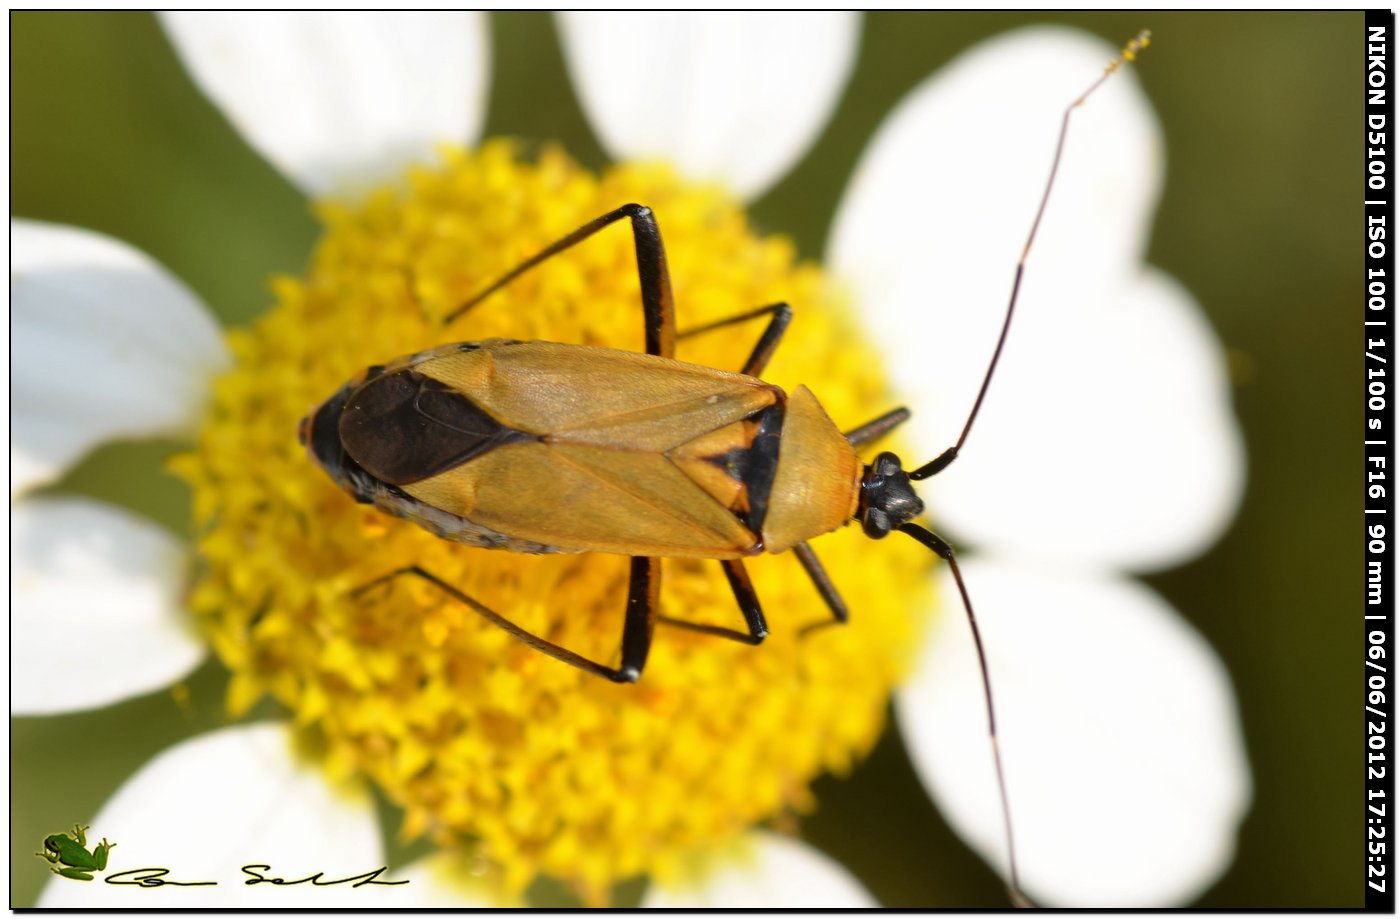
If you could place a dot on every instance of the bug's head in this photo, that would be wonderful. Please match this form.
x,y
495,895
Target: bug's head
x,y
887,497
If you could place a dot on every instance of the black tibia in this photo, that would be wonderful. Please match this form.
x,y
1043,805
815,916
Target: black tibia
x,y
748,604
640,617
767,342
874,430
658,305
822,581
643,594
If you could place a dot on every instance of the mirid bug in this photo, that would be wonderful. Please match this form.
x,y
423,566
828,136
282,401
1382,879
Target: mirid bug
x,y
538,447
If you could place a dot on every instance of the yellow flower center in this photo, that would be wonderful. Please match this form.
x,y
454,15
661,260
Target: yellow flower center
x,y
483,741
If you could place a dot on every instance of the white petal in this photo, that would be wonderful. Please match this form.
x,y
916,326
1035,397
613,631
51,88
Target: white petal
x,y
773,872
339,100
1107,434
96,613
728,97
205,808
106,344
1118,728
940,203
1110,439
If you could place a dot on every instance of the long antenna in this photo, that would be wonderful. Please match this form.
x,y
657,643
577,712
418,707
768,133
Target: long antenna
x,y
939,546
944,551
1128,54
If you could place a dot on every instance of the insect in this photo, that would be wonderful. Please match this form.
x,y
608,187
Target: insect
x,y
540,447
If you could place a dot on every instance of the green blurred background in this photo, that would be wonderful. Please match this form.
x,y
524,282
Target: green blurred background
x,y
1260,219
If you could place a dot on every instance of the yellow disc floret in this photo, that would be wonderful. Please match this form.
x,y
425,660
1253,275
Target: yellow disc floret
x,y
484,742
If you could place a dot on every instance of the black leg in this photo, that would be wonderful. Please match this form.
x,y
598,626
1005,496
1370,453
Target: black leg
x,y
767,342
748,604
658,306
822,581
643,594
874,430
636,630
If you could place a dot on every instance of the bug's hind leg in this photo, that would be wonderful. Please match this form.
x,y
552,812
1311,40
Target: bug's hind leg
x,y
643,592
822,581
748,604
767,342
658,304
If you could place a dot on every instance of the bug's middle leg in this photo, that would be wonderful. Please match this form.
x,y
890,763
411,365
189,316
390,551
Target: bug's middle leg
x,y
643,592
747,599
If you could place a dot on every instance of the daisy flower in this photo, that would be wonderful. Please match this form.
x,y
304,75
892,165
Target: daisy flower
x,y
1107,448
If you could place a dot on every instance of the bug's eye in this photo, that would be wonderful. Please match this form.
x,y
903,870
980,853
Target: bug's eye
x,y
876,523
304,430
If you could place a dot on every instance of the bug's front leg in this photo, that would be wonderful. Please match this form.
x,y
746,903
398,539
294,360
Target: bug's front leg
x,y
875,429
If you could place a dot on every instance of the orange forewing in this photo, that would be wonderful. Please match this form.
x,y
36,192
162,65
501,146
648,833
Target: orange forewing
x,y
620,465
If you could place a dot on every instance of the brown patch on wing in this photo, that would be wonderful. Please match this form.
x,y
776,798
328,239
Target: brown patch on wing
x,y
405,427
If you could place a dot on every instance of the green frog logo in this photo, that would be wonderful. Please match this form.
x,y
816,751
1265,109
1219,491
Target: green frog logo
x,y
70,856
